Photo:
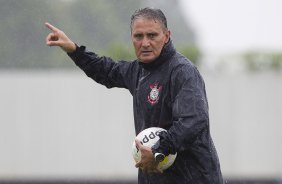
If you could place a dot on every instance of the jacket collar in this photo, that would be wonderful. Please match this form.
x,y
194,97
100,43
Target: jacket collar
x,y
167,52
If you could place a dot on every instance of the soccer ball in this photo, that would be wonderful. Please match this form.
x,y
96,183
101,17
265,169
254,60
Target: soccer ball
x,y
149,137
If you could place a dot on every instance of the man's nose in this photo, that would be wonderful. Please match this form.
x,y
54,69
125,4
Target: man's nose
x,y
145,42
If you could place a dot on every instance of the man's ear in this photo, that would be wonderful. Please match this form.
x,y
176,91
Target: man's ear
x,y
167,35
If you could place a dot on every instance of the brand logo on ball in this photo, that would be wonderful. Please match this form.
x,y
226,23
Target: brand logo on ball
x,y
154,95
146,138
150,137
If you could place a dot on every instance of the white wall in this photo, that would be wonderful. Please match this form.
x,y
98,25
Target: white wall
x,y
61,124
246,121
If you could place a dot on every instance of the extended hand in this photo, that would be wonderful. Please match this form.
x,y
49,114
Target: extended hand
x,y
147,162
59,38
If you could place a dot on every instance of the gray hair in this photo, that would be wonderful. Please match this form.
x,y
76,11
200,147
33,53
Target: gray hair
x,y
150,13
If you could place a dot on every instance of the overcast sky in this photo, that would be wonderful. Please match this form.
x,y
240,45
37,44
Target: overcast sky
x,y
237,25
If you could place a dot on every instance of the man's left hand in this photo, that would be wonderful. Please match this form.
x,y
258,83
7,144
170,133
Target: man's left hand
x,y
147,162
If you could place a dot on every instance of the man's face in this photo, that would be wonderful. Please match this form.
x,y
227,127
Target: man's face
x,y
148,37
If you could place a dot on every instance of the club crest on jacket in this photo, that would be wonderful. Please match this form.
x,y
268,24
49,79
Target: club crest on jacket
x,y
154,95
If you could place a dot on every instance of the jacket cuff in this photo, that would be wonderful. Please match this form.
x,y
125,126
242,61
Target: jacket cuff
x,y
155,148
77,55
77,52
160,146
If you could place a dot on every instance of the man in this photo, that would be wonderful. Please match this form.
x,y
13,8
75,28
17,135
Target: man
x,y
168,92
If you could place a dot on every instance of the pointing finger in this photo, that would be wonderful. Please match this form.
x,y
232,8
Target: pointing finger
x,y
51,27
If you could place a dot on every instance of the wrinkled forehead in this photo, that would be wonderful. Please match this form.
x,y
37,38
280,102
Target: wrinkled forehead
x,y
150,21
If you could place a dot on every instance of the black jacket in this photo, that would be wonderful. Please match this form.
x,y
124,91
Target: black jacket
x,y
168,93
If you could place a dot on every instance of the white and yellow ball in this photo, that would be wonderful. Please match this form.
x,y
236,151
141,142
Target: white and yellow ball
x,y
149,137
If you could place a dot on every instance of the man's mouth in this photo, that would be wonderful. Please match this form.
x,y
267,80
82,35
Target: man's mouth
x,y
146,52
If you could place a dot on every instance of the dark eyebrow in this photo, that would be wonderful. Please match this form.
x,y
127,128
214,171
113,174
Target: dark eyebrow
x,y
137,34
152,33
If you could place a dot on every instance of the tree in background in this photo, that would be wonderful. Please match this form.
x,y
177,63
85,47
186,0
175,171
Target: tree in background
x,y
261,61
100,25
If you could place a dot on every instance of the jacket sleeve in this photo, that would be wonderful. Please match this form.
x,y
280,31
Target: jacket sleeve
x,y
102,69
189,111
